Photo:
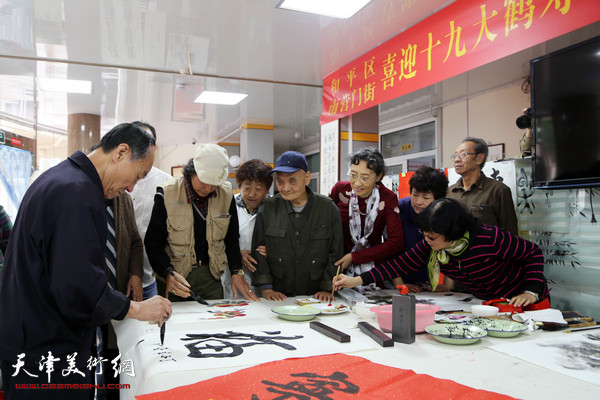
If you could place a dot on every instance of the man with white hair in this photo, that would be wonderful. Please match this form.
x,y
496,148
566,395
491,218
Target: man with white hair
x,y
193,233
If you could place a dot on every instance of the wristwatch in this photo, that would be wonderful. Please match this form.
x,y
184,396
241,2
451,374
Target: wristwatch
x,y
239,272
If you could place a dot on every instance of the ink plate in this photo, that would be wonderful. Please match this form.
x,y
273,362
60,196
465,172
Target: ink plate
x,y
456,333
296,313
327,309
499,327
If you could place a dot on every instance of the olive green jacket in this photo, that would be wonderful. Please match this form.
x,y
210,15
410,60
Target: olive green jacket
x,y
298,262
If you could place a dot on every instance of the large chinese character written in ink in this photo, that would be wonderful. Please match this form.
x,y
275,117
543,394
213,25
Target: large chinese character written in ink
x,y
231,344
311,386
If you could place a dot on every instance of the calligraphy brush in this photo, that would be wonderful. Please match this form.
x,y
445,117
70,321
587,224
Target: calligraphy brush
x,y
192,293
333,287
162,332
164,325
583,329
198,298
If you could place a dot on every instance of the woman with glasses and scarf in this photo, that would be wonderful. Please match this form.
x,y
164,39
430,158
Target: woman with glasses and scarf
x,y
487,261
367,210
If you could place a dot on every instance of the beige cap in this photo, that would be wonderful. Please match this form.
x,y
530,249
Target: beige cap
x,y
211,164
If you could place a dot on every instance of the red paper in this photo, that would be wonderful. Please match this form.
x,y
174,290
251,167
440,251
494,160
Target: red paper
x,y
403,186
336,376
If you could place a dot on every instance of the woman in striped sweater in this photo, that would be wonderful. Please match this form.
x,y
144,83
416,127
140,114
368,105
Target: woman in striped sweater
x,y
489,262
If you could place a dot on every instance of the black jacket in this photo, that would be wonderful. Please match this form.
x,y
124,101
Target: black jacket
x,y
53,290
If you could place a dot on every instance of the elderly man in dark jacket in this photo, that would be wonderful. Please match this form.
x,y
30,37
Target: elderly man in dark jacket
x,y
53,289
302,232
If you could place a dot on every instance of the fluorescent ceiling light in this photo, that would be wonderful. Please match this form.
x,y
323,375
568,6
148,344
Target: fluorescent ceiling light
x,y
328,8
220,98
64,85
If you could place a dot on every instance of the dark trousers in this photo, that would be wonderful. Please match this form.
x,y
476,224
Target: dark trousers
x,y
109,352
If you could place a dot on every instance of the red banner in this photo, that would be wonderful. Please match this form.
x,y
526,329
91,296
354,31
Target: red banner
x,y
458,38
332,377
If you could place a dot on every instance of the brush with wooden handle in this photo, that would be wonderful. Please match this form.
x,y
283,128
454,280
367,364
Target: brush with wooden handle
x,y
333,286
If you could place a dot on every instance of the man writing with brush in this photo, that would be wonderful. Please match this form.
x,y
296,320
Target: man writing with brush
x,y
302,232
54,289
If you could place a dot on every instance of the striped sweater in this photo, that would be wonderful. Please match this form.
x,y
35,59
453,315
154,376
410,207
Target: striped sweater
x,y
497,264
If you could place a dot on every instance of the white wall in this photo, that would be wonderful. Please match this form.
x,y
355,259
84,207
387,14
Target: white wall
x,y
490,116
171,156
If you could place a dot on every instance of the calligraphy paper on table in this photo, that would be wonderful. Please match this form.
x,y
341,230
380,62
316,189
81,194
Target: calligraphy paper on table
x,y
330,377
189,348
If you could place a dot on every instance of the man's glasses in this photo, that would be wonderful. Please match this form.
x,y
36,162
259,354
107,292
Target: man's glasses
x,y
364,179
461,155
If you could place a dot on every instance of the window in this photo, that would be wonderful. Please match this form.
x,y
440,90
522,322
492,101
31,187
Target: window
x,y
408,148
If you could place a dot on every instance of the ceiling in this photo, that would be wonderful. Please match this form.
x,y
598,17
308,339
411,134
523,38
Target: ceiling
x,y
148,60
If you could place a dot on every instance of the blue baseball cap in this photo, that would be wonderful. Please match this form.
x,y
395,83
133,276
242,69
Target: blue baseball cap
x,y
290,161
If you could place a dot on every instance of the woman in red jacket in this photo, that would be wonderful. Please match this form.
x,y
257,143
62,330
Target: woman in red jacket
x,y
367,209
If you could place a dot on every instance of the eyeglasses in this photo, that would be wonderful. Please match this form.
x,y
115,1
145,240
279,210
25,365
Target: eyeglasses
x,y
462,155
364,179
429,237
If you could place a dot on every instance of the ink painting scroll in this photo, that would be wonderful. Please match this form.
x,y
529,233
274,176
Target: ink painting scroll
x,y
575,354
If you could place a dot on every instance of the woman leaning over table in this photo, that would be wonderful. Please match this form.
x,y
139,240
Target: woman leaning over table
x,y
367,208
254,183
488,261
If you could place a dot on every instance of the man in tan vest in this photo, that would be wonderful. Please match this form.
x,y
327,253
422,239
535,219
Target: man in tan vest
x,y
193,230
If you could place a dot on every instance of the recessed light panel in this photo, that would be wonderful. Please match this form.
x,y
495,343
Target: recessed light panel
x,y
209,97
328,8
64,85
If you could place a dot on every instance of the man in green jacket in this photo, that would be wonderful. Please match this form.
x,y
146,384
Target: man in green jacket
x,y
302,232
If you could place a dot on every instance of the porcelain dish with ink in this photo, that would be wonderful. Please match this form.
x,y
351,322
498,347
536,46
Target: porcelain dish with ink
x,y
330,309
499,327
296,313
456,333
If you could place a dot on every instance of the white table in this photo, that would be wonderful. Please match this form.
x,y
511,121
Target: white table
x,y
473,365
